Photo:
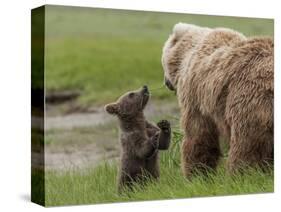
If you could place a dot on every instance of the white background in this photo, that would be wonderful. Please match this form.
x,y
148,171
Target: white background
x,y
15,103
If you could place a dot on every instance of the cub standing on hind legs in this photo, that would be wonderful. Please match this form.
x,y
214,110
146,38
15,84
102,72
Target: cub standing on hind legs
x,y
140,140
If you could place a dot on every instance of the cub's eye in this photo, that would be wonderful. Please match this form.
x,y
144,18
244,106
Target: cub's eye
x,y
131,95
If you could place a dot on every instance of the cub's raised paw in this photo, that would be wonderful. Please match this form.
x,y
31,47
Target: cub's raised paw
x,y
164,125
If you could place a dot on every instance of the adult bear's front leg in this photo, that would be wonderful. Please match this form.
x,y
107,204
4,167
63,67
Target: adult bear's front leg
x,y
200,148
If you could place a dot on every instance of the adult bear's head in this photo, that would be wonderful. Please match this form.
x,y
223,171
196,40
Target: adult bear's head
x,y
178,47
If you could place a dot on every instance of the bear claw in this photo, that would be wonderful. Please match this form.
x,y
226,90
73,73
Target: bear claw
x,y
164,125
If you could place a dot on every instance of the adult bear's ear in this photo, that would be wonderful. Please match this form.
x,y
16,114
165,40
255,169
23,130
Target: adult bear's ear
x,y
182,28
111,108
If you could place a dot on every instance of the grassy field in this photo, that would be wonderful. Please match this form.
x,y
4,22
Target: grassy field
x,y
104,53
98,185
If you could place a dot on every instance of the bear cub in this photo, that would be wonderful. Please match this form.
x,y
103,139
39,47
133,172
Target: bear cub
x,y
140,140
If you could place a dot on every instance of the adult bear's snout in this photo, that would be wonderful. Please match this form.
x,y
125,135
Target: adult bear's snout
x,y
169,85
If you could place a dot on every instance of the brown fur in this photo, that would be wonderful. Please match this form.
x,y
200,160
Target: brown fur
x,y
140,140
224,83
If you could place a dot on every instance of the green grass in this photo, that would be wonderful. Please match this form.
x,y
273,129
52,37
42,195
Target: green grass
x,y
98,185
104,53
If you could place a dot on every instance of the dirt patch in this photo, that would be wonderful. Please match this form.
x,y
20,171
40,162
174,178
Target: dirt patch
x,y
58,97
78,120
87,156
97,116
80,147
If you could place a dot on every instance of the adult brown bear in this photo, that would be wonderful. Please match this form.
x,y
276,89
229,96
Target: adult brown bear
x,y
224,83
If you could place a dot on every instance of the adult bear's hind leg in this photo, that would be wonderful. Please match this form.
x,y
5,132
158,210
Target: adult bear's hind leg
x,y
254,150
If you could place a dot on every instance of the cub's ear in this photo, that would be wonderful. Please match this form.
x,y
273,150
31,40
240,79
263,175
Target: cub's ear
x,y
111,108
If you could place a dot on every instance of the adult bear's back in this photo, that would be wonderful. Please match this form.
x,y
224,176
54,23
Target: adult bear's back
x,y
251,88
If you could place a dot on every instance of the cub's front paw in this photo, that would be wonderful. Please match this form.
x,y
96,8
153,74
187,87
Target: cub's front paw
x,y
164,125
